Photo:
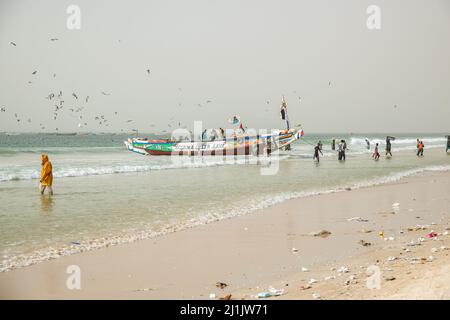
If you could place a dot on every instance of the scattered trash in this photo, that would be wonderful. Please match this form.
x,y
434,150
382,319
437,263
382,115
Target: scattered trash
x,y
312,281
434,250
389,239
272,292
221,285
305,287
389,278
359,219
431,235
276,292
396,206
381,234
364,243
365,231
227,297
264,295
343,269
329,278
305,269
430,259
142,290
392,258
212,295
316,296
294,250
321,233
348,189
75,243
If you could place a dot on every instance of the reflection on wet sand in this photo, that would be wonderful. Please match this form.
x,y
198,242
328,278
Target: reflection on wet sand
x,y
46,203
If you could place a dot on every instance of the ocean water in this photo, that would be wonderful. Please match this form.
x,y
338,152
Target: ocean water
x,y
106,195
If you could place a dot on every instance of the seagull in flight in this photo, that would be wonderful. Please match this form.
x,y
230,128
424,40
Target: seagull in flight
x,y
12,43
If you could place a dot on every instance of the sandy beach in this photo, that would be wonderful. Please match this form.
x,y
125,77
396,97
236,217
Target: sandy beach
x,y
275,247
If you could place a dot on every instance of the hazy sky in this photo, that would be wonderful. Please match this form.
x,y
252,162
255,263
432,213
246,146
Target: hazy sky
x,y
237,53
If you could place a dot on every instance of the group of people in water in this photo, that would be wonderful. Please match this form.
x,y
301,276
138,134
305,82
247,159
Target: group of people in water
x,y
342,148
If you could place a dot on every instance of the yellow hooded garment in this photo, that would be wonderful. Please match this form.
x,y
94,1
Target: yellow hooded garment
x,y
46,171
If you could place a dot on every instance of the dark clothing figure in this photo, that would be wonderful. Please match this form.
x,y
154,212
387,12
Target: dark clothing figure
x,y
388,145
316,153
448,144
333,144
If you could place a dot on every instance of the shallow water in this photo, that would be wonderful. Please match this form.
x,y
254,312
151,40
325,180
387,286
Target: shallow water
x,y
107,195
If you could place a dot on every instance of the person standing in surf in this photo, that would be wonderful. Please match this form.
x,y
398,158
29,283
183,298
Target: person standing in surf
x,y
376,153
333,144
317,149
448,144
341,150
367,144
344,149
388,145
46,180
420,147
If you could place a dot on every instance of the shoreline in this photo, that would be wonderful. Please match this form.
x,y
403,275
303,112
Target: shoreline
x,y
124,238
187,264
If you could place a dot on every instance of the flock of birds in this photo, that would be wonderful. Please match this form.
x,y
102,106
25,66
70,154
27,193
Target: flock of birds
x,y
58,104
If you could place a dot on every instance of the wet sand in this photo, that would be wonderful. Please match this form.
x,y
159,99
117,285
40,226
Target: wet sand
x,y
270,247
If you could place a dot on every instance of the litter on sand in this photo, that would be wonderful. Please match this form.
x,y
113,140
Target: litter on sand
x,y
343,269
221,285
431,235
359,219
316,295
364,243
321,233
305,269
227,297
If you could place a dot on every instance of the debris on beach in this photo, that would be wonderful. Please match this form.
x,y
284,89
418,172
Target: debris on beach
x,y
276,292
227,297
391,258
75,243
272,292
343,269
294,250
381,234
321,233
312,281
389,239
305,269
359,219
212,295
316,295
431,235
364,243
365,231
305,287
221,285
434,250
389,278
143,290
329,278
396,206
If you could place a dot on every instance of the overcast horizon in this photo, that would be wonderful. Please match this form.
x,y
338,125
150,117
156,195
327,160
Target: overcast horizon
x,y
148,65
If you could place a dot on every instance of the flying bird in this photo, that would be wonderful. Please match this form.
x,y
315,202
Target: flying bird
x,y
74,95
12,43
34,72
87,99
3,109
148,71
54,39
105,94
50,96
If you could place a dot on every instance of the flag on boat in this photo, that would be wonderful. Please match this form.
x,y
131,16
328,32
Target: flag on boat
x,y
283,108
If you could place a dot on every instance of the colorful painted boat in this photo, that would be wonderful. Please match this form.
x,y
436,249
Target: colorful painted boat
x,y
237,145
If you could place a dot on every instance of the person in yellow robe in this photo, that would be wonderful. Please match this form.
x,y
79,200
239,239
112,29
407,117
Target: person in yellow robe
x,y
46,175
